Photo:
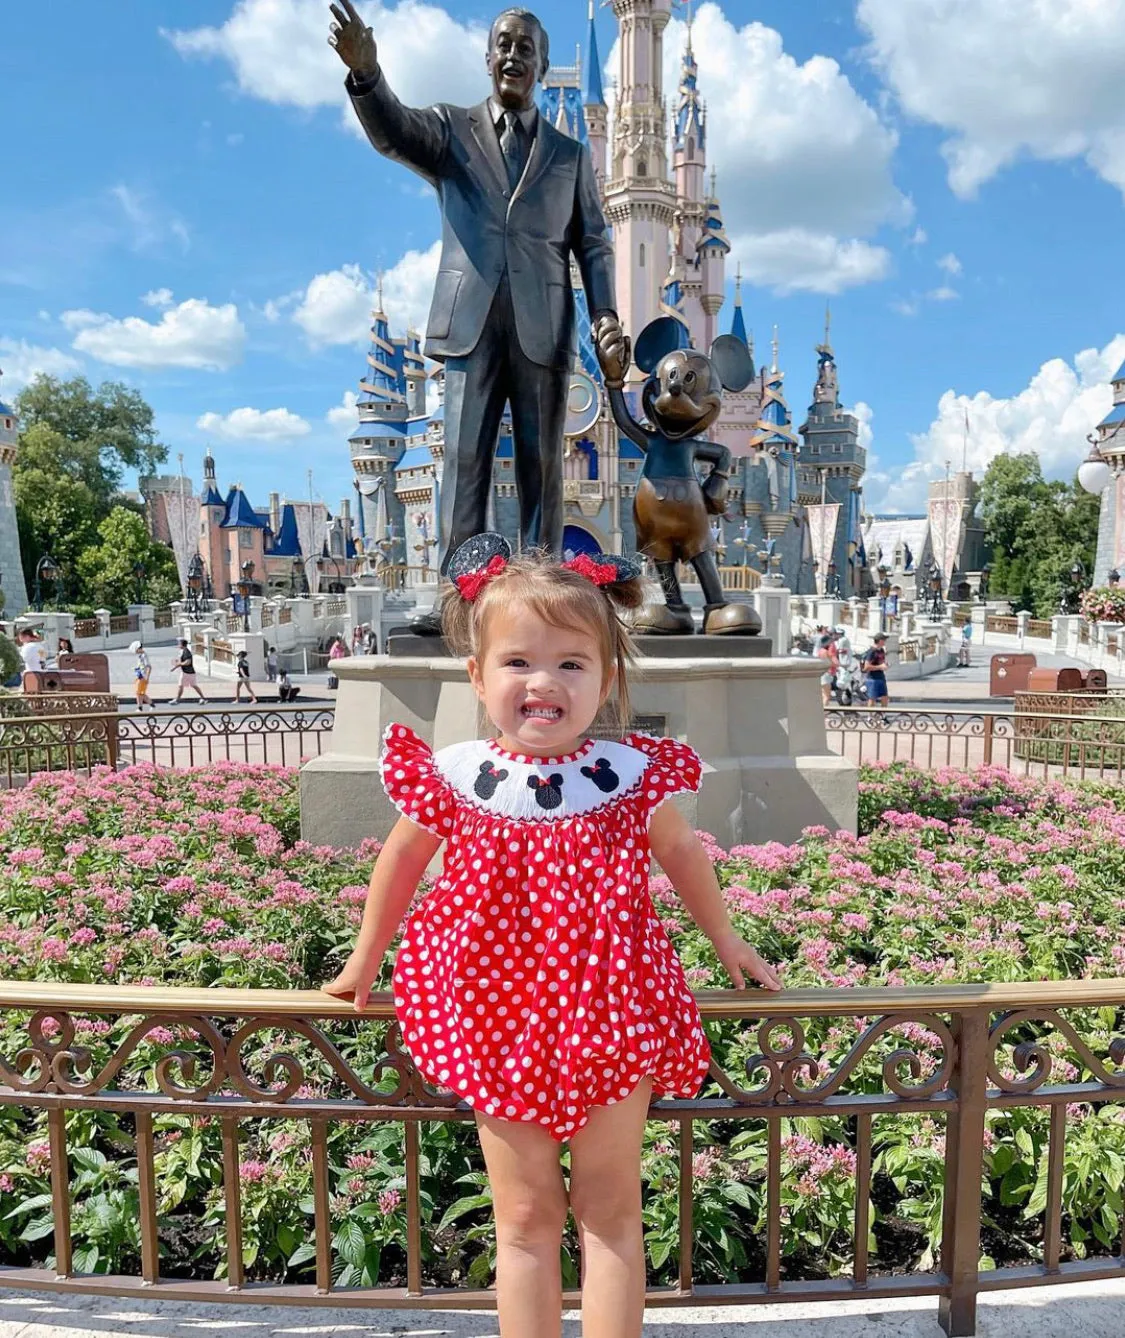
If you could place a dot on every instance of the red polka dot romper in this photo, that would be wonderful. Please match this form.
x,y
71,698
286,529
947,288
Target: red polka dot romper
x,y
536,979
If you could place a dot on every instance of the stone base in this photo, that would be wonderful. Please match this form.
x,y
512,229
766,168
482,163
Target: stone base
x,y
758,724
404,642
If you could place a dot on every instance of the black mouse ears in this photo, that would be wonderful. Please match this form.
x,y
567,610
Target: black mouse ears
x,y
659,337
729,355
732,361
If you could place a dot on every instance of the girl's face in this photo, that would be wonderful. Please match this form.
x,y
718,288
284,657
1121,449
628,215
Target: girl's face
x,y
541,685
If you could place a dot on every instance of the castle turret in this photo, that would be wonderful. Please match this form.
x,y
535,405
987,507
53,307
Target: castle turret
x,y
738,322
713,249
392,387
640,200
689,157
594,105
11,566
775,443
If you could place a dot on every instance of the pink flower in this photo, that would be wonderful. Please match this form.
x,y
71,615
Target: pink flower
x,y
389,1200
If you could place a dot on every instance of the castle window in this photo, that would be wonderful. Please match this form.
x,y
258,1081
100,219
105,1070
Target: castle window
x,y
837,449
691,146
642,168
641,256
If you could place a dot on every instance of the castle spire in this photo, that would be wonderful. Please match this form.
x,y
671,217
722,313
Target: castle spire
x,y
594,96
827,390
774,369
738,321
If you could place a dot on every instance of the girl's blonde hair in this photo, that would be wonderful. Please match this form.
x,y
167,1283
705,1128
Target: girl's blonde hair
x,y
563,598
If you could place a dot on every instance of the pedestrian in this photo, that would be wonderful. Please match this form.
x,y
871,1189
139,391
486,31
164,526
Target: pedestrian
x,y
337,650
874,661
242,677
66,646
826,651
286,691
357,638
185,665
142,672
271,664
964,650
371,644
33,653
576,951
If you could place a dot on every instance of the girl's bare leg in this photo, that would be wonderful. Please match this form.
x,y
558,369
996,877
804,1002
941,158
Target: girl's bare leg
x,y
530,1202
605,1196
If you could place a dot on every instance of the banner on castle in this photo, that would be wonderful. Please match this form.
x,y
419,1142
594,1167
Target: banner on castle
x,y
181,506
822,537
945,533
312,530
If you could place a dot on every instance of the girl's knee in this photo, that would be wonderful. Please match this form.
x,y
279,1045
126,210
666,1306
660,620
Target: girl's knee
x,y
532,1217
608,1208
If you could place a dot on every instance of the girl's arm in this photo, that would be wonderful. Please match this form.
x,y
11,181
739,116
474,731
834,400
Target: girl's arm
x,y
679,853
394,880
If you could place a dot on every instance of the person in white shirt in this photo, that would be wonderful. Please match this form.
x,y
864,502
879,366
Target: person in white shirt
x,y
33,651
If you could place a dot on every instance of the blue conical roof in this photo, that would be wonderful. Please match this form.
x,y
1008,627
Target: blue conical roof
x,y
593,95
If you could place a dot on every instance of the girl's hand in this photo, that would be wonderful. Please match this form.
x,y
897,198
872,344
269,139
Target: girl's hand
x,y
356,979
742,960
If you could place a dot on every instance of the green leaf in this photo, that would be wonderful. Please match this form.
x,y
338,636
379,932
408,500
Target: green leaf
x,y
350,1242
302,1254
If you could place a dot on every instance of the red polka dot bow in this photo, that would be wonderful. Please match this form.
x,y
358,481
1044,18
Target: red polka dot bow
x,y
601,573
471,583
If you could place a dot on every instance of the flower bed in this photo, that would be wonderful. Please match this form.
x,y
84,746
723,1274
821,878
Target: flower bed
x,y
199,878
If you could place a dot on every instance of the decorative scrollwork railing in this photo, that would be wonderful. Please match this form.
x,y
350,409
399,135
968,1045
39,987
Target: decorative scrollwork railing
x,y
239,1056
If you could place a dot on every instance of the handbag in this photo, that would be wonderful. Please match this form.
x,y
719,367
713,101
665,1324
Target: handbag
x,y
333,681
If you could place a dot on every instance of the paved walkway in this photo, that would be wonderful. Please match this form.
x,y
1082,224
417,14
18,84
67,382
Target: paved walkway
x,y
1093,1310
163,683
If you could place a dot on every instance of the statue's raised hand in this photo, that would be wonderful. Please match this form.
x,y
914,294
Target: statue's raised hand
x,y
353,40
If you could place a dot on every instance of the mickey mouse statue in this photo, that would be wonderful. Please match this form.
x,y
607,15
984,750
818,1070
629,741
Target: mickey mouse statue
x,y
682,398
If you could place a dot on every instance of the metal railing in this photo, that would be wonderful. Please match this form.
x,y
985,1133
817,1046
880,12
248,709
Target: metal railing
x,y
87,627
1077,744
1001,622
177,738
125,622
162,618
953,1052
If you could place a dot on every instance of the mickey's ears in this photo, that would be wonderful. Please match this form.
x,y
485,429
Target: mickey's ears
x,y
476,553
659,337
732,361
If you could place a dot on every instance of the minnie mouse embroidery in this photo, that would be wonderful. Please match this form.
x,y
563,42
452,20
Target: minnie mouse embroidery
x,y
603,775
548,793
485,785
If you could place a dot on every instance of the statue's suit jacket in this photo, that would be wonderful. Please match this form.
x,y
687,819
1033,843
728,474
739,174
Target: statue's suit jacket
x,y
487,229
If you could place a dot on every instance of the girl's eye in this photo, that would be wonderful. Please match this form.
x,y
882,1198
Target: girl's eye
x,y
515,663
570,664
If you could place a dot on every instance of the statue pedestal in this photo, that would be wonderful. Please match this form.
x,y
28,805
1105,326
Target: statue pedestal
x,y
757,723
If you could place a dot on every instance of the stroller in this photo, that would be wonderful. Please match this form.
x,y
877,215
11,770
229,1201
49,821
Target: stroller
x,y
849,687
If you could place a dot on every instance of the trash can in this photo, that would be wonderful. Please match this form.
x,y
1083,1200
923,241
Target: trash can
x,y
1008,674
1055,680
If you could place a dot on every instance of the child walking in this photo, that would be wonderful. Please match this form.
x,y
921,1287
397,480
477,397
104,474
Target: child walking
x,y
536,979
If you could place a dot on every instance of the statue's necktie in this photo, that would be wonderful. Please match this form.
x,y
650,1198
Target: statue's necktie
x,y
511,146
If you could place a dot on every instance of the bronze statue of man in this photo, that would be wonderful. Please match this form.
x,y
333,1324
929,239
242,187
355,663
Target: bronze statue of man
x,y
518,199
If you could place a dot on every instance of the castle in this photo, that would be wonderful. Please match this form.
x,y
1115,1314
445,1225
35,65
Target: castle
x,y
795,495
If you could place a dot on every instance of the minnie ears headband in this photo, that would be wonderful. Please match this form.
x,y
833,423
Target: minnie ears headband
x,y
484,556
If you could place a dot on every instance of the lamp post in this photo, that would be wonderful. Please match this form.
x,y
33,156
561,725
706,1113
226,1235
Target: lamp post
x,y
982,584
742,540
936,606
195,587
425,543
884,594
832,586
244,586
1073,584
46,569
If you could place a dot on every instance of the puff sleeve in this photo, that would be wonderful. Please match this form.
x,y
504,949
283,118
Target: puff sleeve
x,y
413,784
673,768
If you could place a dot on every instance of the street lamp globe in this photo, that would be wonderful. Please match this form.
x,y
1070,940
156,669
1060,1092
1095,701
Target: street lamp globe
x,y
1094,473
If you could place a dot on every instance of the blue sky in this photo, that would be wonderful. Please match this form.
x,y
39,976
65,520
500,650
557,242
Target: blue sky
x,y
188,208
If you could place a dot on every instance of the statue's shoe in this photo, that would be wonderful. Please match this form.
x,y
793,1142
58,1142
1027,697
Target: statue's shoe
x,y
660,620
731,620
426,624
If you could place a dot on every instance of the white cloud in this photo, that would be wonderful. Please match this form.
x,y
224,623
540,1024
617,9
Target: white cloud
x,y
1007,81
344,416
193,334
150,223
950,264
943,294
919,237
336,306
254,425
795,260
22,362
1050,417
158,297
279,52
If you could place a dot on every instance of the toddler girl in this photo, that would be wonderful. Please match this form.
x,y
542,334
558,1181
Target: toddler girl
x,y
536,979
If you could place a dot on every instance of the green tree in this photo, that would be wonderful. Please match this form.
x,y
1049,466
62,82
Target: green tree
x,y
75,445
1037,529
107,569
